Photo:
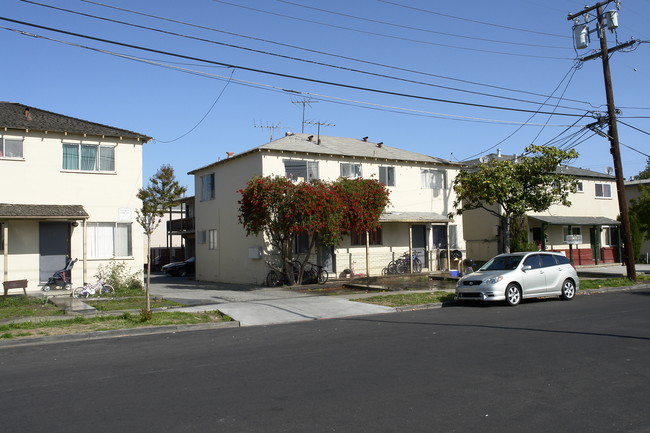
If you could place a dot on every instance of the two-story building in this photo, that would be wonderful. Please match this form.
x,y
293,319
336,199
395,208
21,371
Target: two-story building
x,y
73,195
587,231
633,192
416,219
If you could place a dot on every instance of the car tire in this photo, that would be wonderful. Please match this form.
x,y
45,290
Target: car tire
x,y
183,273
568,290
513,294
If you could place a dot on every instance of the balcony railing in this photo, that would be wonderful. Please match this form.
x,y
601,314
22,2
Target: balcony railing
x,y
180,225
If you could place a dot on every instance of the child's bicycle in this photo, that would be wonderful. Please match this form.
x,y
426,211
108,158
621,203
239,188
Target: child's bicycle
x,y
92,289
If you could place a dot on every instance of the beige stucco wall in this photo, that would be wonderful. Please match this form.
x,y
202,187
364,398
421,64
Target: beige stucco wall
x,y
231,261
632,193
40,179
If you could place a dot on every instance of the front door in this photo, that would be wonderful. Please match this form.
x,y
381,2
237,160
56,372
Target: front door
x,y
419,243
54,247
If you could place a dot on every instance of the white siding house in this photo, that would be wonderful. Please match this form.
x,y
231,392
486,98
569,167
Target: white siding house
x,y
69,191
591,218
416,218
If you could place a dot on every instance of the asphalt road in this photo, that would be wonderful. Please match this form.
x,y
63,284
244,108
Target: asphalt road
x,y
544,366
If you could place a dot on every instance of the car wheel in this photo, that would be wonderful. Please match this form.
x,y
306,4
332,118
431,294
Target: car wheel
x,y
183,273
513,294
568,290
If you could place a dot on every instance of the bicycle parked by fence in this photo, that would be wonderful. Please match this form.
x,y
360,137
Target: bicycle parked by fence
x,y
98,288
403,265
277,277
315,274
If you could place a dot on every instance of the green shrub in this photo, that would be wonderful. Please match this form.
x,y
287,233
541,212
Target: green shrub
x,y
117,274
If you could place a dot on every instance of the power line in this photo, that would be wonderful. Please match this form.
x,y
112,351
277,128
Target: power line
x,y
284,56
311,95
353,59
472,21
278,74
389,36
417,28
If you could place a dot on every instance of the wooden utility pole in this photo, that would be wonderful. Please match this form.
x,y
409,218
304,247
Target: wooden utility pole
x,y
628,252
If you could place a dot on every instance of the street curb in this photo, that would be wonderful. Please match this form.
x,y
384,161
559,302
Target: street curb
x,y
116,333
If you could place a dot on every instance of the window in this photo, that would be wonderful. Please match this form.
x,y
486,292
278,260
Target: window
x,y
297,170
387,175
88,157
574,231
201,237
207,187
433,179
108,240
548,260
611,235
10,148
532,261
580,186
359,238
603,190
350,170
212,239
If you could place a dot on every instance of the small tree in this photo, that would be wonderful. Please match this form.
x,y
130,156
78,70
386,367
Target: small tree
x,y
645,173
640,210
532,183
162,192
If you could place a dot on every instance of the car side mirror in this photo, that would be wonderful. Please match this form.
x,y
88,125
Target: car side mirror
x,y
526,268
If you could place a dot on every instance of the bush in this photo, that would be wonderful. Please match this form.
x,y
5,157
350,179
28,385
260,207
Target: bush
x,y
117,275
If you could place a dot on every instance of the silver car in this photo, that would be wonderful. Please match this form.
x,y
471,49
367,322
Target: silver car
x,y
517,276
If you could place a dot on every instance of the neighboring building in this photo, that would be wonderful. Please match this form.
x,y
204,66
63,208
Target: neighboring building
x,y
173,240
74,194
632,192
591,220
416,219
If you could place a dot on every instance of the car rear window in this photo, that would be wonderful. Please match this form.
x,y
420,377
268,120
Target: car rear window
x,y
561,260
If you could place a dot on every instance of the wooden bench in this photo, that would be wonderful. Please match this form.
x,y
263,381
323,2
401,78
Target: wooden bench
x,y
15,284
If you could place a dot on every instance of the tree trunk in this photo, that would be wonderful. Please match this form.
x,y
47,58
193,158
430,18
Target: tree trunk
x,y
505,225
148,283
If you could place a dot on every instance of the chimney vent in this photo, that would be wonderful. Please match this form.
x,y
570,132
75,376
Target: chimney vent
x,y
380,144
230,154
498,153
365,139
27,114
310,137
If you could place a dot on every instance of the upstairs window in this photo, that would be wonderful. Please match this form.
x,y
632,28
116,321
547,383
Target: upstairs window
x,y
603,190
433,179
349,170
387,175
299,171
11,148
207,187
88,157
580,187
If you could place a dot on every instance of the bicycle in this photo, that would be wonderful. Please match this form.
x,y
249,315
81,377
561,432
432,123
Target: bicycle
x,y
92,289
315,273
278,278
404,264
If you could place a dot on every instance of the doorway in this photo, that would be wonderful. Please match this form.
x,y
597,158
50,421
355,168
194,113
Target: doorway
x,y
419,243
53,247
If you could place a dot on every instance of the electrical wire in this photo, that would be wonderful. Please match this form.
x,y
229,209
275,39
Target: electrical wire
x,y
633,127
386,23
390,36
353,59
326,98
283,75
286,57
471,20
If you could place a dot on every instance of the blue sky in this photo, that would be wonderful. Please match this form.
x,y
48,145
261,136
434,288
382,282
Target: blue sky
x,y
447,79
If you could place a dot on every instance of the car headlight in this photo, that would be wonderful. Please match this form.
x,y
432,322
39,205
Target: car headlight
x,y
493,280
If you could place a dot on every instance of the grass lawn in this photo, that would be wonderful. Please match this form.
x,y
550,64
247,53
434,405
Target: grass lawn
x,y
600,283
130,303
104,323
404,299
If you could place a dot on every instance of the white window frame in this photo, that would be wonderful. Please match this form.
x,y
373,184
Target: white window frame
x,y
212,239
107,240
207,187
351,170
3,147
99,160
606,190
387,175
580,186
293,168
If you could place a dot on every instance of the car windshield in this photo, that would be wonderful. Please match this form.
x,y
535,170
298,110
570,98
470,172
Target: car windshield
x,y
502,263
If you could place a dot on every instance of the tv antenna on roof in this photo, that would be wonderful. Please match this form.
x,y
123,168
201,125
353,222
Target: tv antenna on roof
x,y
270,128
305,102
319,124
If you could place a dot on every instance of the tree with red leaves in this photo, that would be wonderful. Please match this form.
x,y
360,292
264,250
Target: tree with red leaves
x,y
281,210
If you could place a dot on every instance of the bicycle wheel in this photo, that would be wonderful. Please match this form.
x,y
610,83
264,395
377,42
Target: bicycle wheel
x,y
402,267
107,289
323,275
417,265
272,279
80,292
392,267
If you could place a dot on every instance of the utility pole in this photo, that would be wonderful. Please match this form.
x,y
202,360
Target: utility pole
x,y
628,252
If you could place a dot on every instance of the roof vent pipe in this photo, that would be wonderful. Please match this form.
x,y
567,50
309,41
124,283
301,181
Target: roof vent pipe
x,y
380,144
310,137
365,139
498,153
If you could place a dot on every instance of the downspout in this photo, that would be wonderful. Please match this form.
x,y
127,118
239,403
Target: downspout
x,y
448,247
5,248
410,248
85,252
